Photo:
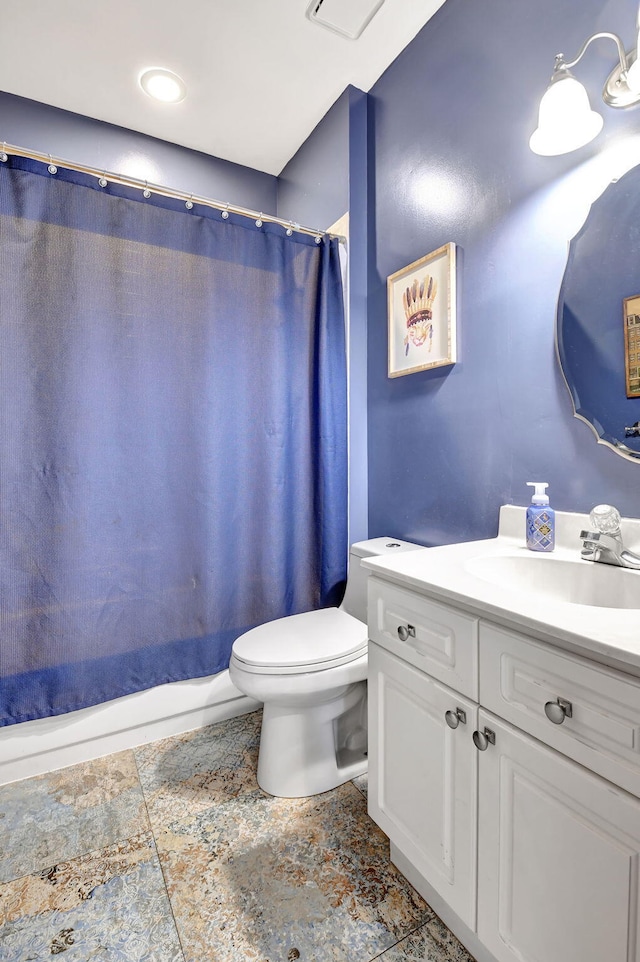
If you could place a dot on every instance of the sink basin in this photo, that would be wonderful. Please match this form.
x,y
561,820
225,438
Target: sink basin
x,y
561,581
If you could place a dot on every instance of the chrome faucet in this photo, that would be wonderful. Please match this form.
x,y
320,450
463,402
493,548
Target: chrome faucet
x,y
605,543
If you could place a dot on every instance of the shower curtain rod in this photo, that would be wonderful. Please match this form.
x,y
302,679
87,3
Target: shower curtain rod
x,y
105,177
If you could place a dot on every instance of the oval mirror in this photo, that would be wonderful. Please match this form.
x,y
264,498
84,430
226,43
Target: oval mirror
x,y
598,322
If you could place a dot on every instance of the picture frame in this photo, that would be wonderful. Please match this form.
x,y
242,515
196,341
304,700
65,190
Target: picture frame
x,y
421,307
631,320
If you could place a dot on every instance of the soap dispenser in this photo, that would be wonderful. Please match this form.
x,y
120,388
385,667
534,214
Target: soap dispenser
x,y
541,519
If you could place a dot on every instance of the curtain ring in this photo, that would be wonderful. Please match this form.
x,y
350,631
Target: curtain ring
x,y
4,156
189,203
146,193
225,213
259,220
52,167
103,180
319,239
290,229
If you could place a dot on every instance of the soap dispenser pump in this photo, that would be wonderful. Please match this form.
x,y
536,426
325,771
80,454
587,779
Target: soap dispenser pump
x,y
541,520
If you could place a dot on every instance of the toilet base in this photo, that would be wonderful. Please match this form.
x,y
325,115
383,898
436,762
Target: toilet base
x,y
312,749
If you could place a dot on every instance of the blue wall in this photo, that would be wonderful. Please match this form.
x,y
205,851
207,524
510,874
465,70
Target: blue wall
x,y
451,121
326,178
26,123
313,188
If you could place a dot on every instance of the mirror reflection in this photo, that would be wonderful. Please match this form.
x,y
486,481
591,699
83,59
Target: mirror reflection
x,y
598,323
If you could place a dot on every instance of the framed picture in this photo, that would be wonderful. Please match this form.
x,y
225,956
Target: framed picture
x,y
631,315
422,313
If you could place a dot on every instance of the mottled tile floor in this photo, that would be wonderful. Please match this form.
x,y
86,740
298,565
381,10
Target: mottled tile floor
x,y
171,853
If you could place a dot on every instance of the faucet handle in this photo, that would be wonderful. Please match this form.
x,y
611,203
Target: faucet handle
x,y
605,518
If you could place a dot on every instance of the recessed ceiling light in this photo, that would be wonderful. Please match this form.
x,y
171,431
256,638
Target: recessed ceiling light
x,y
163,85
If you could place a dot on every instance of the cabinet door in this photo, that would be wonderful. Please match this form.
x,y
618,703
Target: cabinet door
x,y
558,853
422,776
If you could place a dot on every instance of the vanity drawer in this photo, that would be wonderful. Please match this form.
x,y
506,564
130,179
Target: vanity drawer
x,y
601,727
435,638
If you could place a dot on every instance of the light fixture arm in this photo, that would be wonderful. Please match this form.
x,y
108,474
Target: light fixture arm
x,y
562,64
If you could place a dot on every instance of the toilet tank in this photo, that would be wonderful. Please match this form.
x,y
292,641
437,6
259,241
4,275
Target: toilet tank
x,y
355,597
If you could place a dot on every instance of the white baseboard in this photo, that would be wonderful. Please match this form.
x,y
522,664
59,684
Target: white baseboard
x,y
46,744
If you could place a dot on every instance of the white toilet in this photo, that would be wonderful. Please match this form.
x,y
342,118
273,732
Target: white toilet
x,y
310,671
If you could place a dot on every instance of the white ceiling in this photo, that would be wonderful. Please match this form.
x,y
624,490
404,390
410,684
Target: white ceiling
x,y
259,74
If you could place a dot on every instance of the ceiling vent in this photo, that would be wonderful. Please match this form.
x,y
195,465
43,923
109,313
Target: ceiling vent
x,y
345,17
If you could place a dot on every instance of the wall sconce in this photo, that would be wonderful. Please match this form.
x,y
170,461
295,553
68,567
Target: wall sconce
x,y
566,120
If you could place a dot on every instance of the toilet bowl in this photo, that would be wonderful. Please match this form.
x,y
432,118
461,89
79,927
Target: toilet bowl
x,y
310,672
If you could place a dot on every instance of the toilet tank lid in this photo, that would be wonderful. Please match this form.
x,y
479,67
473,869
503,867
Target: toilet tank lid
x,y
381,546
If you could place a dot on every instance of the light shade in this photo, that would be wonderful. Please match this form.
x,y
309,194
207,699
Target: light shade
x,y
633,73
566,120
163,85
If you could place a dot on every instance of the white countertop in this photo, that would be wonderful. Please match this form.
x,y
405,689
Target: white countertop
x,y
608,635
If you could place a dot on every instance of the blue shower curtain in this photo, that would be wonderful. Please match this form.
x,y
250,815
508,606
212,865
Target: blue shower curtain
x,y
172,437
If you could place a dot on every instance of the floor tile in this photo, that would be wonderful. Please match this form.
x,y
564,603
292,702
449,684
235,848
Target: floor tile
x,y
58,816
362,783
431,943
108,905
248,877
187,774
267,879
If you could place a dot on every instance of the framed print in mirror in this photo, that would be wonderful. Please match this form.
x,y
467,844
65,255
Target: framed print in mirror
x,y
632,344
422,313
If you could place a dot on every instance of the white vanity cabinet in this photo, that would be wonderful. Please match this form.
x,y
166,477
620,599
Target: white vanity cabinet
x,y
530,848
558,851
423,775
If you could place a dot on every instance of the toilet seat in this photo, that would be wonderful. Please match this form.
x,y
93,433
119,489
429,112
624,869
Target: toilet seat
x,y
312,641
